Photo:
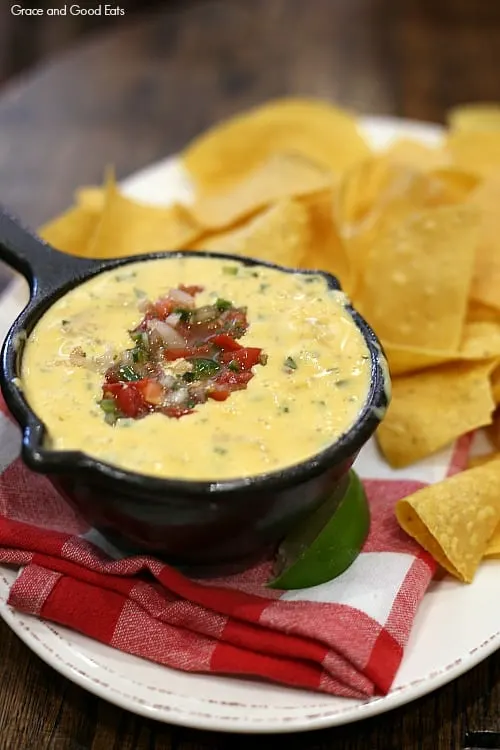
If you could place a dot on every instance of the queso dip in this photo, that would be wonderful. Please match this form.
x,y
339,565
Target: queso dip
x,y
306,389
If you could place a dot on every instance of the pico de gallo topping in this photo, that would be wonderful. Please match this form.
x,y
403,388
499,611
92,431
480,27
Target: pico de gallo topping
x,y
182,355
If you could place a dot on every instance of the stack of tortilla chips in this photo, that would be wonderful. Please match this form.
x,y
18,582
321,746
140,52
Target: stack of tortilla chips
x,y
413,234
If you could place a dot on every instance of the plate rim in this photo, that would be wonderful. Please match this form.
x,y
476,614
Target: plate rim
x,y
353,711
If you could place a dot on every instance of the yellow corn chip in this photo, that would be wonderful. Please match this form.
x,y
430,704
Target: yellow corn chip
x,y
91,197
280,176
127,227
474,117
476,151
486,278
406,359
493,548
478,312
416,154
71,232
417,278
325,250
315,129
480,340
492,430
484,458
455,519
495,385
432,408
280,234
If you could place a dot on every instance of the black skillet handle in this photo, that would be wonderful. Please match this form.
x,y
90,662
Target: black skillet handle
x,y
44,267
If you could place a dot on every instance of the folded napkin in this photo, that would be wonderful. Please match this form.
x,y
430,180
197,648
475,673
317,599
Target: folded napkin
x,y
345,637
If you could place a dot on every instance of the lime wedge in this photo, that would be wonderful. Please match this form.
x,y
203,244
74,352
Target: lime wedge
x,y
326,543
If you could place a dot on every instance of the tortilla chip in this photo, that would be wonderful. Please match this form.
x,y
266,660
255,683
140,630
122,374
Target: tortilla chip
x,y
448,185
476,151
486,279
406,359
430,409
455,519
484,458
280,176
315,129
478,312
129,228
416,154
91,197
495,385
480,340
71,232
474,117
378,196
279,234
493,430
325,250
417,276
493,548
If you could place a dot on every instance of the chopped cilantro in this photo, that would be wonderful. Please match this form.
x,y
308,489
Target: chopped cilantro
x,y
183,314
234,366
139,354
202,368
290,363
222,304
124,275
127,373
341,383
230,270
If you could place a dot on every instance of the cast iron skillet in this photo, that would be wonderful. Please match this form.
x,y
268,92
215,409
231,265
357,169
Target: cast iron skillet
x,y
188,522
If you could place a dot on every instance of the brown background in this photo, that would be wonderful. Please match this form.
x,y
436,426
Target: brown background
x,y
135,93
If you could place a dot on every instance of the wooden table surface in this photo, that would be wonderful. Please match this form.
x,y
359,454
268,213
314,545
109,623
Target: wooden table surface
x,y
136,94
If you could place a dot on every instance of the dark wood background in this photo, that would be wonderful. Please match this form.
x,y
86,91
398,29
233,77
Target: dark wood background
x,y
130,91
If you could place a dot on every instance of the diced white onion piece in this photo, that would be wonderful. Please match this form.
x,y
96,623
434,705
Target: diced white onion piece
x,y
204,314
167,380
168,334
178,397
173,319
183,299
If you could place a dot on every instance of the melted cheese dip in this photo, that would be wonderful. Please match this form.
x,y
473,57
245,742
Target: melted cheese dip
x,y
283,417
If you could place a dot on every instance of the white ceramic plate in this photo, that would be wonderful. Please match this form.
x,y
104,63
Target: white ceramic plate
x,y
455,628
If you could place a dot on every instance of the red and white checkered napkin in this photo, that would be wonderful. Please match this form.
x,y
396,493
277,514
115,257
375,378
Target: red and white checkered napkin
x,y
344,637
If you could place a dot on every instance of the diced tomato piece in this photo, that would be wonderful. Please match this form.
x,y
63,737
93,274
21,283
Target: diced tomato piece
x,y
171,354
225,342
204,350
246,357
219,393
152,391
192,290
176,411
127,396
164,307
